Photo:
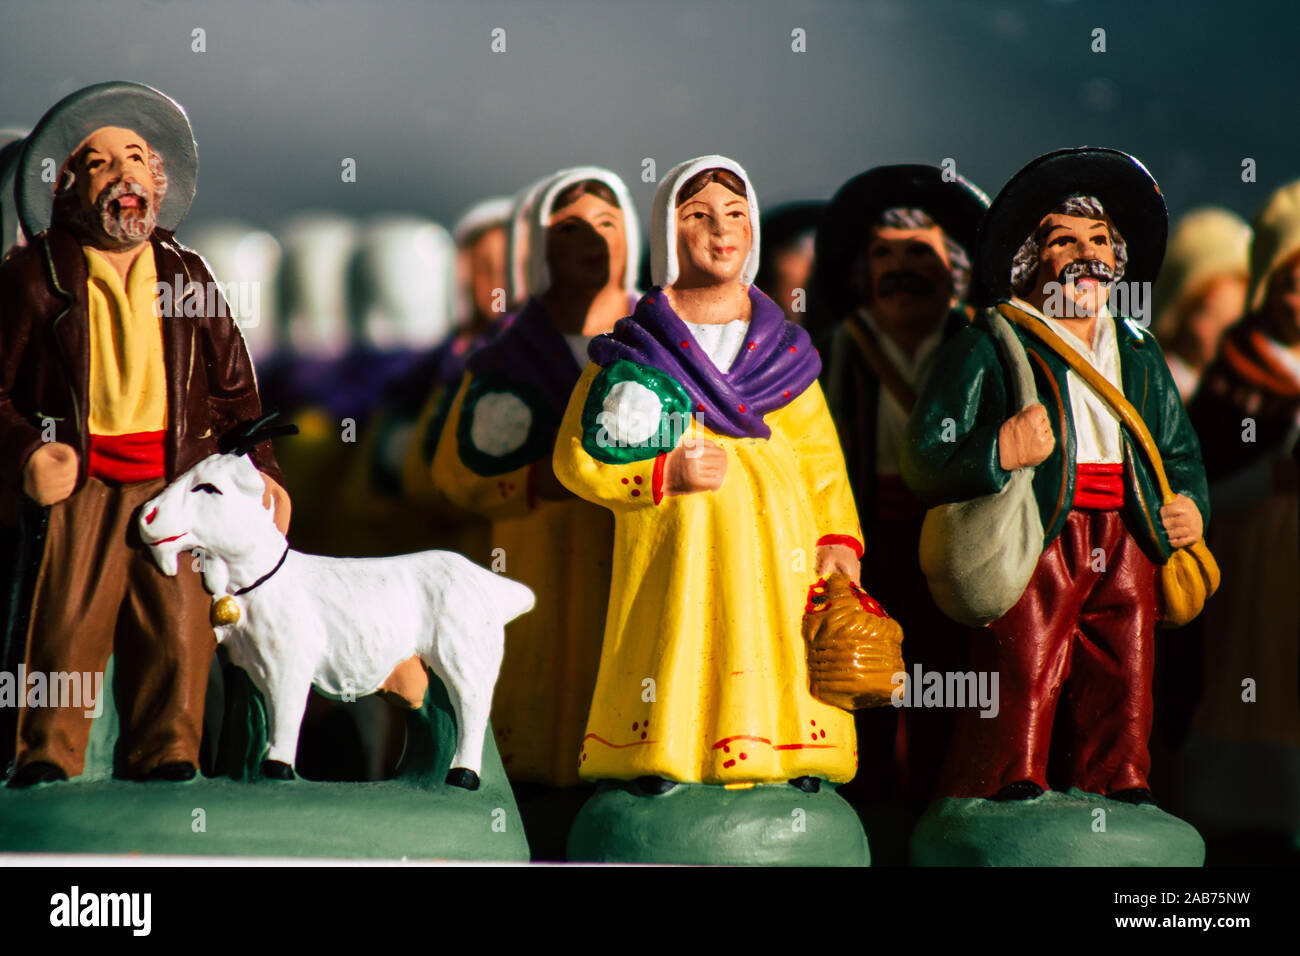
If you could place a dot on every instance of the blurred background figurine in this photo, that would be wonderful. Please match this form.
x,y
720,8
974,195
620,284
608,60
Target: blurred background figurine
x,y
701,426
1201,290
1238,772
785,264
893,266
494,458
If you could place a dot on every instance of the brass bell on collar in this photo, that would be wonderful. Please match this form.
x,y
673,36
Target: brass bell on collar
x,y
224,611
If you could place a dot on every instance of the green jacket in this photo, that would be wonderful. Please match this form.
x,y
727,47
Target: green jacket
x,y
951,450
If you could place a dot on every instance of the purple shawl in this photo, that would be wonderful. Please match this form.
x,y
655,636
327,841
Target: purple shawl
x,y
776,363
532,352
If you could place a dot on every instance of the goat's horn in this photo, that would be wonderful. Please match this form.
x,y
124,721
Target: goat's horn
x,y
245,436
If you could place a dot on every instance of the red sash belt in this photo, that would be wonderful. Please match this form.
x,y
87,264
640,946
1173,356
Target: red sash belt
x,y
137,456
1099,487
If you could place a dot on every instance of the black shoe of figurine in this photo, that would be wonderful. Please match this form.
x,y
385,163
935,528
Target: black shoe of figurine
x,y
276,770
1020,790
807,784
176,772
463,778
38,771
1138,796
652,786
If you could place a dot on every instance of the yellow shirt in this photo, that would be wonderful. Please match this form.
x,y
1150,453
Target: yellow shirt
x,y
128,384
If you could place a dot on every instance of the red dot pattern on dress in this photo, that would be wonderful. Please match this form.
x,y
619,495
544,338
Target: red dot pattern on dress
x,y
636,493
685,344
742,408
625,481
793,349
729,764
786,394
752,346
637,479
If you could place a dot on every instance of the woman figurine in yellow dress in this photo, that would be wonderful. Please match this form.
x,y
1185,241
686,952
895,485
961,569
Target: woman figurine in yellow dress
x,y
494,458
700,424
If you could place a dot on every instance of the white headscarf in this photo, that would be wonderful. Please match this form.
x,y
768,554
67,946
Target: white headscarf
x,y
663,218
488,214
539,277
517,265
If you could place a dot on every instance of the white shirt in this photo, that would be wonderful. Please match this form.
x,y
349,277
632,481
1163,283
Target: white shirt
x,y
721,342
1096,427
891,417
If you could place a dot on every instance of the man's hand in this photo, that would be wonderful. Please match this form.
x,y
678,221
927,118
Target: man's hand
x,y
50,474
700,467
1025,439
1182,521
838,557
276,495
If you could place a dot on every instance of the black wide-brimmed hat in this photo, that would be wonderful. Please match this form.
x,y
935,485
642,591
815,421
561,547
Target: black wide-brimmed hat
x,y
158,118
1126,190
956,204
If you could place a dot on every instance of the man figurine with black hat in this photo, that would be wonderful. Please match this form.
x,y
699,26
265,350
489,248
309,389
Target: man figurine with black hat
x,y
111,385
1074,654
893,262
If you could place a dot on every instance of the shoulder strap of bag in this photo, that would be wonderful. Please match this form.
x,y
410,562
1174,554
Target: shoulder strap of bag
x,y
1008,343
889,376
1113,396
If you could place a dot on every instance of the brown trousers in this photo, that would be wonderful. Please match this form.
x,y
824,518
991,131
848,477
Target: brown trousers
x,y
98,593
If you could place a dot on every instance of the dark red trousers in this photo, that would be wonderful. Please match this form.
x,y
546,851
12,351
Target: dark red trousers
x,y
1074,663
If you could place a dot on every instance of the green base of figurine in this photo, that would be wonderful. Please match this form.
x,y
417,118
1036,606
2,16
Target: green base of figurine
x,y
391,819
415,815
1057,829
770,825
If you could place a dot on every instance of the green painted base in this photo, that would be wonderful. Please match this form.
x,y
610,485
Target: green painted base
x,y
389,820
1057,829
771,825
414,815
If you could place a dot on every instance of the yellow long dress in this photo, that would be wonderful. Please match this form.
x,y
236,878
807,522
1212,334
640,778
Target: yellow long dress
x,y
560,549
703,672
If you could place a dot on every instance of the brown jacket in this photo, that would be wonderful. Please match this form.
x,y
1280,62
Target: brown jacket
x,y
45,360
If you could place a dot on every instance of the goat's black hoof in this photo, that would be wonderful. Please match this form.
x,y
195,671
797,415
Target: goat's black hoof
x,y
652,786
1020,790
38,771
276,770
176,772
463,778
807,784
1138,796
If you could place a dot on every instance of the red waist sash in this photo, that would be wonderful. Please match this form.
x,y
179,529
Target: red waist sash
x,y
1099,487
137,456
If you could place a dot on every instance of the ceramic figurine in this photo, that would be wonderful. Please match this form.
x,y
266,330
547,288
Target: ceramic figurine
x,y
893,266
1201,291
423,396
294,621
700,424
1068,506
786,260
101,402
248,260
494,458
1242,748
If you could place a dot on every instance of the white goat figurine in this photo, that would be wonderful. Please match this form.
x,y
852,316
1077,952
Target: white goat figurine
x,y
339,624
